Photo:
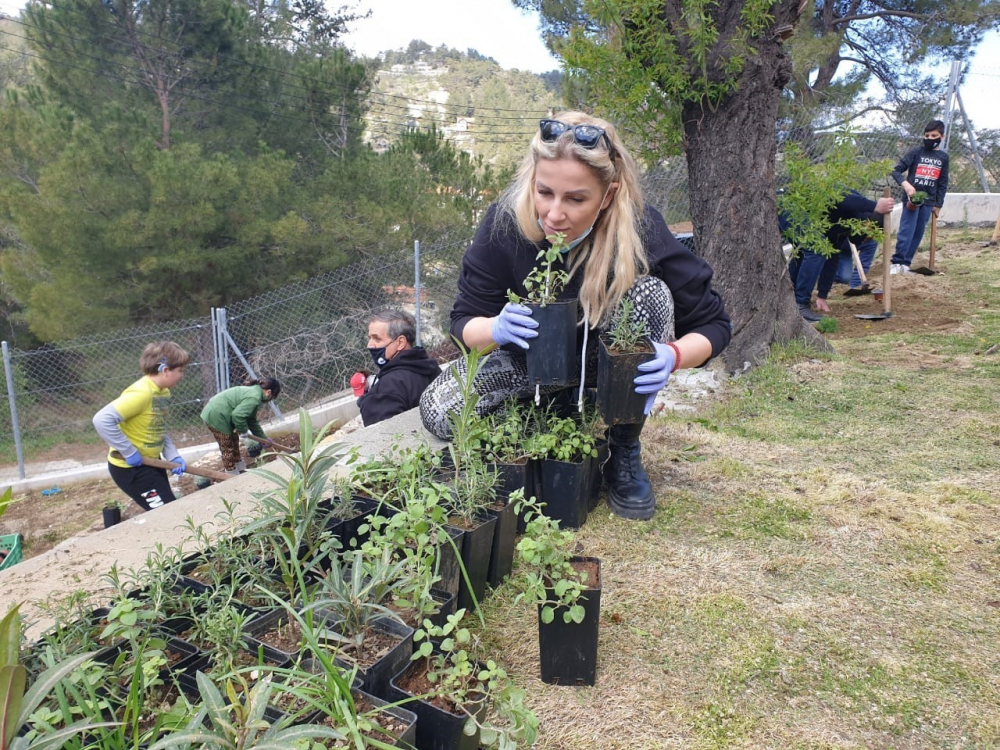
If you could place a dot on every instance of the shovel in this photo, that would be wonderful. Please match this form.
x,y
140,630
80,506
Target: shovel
x,y
929,269
272,444
215,476
864,288
886,269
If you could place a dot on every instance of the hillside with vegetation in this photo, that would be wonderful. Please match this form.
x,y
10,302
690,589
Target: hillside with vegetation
x,y
478,106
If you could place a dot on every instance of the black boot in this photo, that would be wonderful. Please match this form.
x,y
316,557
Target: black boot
x,y
630,493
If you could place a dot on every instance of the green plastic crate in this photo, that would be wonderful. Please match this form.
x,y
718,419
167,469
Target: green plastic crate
x,y
11,544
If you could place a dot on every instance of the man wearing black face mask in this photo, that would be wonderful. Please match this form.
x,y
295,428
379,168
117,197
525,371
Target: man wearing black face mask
x,y
404,370
925,169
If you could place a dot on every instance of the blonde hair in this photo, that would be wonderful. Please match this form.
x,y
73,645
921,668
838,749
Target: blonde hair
x,y
613,256
165,353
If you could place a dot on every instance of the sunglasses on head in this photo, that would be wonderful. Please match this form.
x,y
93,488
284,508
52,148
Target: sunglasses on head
x,y
587,136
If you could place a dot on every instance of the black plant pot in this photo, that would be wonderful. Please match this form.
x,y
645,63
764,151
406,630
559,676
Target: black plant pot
x,y
552,354
502,554
348,531
565,491
449,561
616,396
597,473
517,476
404,716
437,729
112,517
568,651
376,675
476,547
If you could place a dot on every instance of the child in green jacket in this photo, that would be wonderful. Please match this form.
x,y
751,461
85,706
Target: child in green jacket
x,y
232,413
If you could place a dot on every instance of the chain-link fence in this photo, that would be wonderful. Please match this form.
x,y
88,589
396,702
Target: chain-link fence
x,y
311,336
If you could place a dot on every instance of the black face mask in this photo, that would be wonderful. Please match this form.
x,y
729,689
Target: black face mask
x,y
378,356
932,143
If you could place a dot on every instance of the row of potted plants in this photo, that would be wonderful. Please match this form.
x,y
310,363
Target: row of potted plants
x,y
314,578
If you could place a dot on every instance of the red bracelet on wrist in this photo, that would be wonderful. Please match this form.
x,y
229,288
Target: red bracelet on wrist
x,y
677,356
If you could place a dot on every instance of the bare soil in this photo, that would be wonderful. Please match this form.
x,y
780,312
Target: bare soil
x,y
45,520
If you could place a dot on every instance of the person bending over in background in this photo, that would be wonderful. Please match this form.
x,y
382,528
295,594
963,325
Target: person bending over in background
x,y
809,269
134,426
579,180
404,370
233,412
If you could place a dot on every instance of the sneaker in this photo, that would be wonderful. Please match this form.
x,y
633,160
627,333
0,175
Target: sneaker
x,y
898,268
808,314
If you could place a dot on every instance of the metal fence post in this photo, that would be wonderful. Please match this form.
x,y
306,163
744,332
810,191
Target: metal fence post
x,y
15,426
416,285
249,369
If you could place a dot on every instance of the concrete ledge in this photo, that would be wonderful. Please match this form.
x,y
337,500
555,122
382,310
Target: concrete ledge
x,y
81,563
978,209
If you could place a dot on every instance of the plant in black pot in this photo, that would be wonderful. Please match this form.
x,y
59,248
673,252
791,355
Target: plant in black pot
x,y
567,590
916,200
566,449
112,513
622,348
552,354
452,688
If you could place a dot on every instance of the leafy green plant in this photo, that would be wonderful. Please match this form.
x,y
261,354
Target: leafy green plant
x,y
812,189
544,553
627,331
18,702
563,439
507,430
918,198
466,683
351,595
235,724
544,283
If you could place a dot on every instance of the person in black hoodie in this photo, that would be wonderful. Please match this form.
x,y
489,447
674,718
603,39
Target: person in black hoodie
x,y
404,370
924,169
579,180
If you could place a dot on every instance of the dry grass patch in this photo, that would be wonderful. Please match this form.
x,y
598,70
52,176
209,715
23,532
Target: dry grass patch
x,y
823,570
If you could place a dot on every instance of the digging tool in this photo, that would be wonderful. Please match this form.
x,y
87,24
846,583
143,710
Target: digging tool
x,y
864,288
215,476
886,270
276,446
929,269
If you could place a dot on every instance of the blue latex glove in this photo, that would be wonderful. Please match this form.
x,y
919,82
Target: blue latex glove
x,y
133,459
655,374
513,325
180,469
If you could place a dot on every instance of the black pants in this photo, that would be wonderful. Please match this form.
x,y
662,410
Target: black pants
x,y
147,485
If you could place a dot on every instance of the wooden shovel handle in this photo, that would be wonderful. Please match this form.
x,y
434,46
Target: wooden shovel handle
x,y
276,446
215,476
857,263
887,258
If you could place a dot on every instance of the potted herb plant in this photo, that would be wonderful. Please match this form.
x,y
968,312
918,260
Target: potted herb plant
x,y
552,354
362,630
622,348
566,450
451,689
567,590
916,200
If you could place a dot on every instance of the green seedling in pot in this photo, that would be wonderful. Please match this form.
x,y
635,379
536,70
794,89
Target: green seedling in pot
x,y
544,283
918,198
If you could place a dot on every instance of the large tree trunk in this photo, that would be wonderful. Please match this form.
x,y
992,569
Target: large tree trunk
x,y
734,207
